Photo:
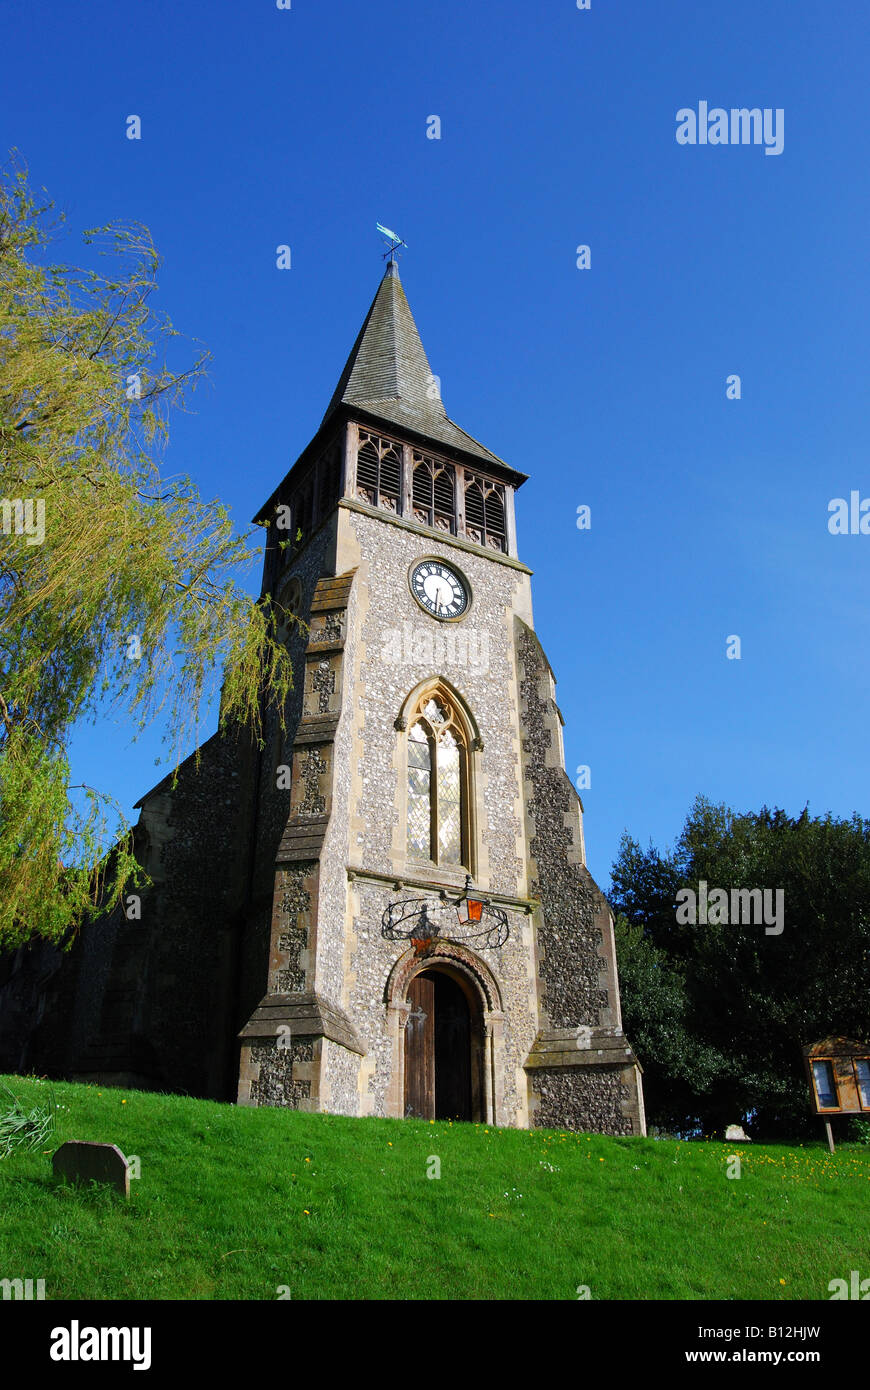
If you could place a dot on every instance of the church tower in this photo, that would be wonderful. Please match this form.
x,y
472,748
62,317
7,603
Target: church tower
x,y
385,909
437,946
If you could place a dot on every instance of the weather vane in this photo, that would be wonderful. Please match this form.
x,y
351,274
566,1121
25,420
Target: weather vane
x,y
393,244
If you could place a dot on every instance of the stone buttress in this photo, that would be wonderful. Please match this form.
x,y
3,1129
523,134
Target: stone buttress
x,y
287,1042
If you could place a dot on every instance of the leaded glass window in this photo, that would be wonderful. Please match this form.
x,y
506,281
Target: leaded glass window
x,y
449,801
437,797
419,792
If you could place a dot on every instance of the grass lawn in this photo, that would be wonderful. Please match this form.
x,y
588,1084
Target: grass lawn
x,y
233,1203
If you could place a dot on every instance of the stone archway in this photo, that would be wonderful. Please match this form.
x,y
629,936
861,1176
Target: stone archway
x,y
446,1026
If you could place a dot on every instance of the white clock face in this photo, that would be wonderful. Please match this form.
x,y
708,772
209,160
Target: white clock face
x,y
439,589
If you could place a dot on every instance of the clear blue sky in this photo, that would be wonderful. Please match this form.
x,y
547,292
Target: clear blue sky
x,y
709,517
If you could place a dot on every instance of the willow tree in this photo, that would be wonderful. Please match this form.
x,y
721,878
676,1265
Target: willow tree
x,y
119,586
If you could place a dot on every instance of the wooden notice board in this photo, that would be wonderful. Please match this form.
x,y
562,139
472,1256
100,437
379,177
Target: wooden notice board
x,y
838,1071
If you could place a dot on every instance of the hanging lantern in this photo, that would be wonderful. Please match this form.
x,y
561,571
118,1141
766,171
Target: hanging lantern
x,y
463,920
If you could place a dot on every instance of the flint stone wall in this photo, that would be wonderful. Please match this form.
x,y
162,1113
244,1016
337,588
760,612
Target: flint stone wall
x,y
580,1098
278,1083
487,687
341,1071
572,965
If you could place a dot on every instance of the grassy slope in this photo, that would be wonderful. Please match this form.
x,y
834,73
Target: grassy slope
x,y
233,1203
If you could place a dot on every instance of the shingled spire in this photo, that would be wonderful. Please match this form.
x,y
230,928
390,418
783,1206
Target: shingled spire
x,y
388,375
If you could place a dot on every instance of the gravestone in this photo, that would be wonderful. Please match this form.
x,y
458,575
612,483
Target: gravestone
x,y
83,1162
736,1132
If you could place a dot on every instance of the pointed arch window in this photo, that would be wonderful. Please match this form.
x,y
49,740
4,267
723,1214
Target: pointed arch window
x,y
438,828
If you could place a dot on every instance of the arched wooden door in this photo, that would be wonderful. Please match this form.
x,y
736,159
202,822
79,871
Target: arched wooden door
x,y
420,1049
439,1049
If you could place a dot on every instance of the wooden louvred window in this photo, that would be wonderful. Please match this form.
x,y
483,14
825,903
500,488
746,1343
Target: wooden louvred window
x,y
302,512
485,513
494,510
378,471
475,514
330,479
367,469
433,493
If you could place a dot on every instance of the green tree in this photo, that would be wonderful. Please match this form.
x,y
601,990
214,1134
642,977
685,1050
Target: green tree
x,y
719,1012
117,585
654,1009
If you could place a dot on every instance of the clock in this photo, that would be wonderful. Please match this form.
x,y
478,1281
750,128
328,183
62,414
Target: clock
x,y
439,589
